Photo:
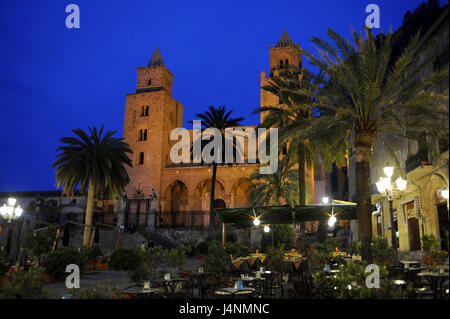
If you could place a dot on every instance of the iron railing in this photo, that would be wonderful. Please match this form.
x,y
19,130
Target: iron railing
x,y
184,219
416,160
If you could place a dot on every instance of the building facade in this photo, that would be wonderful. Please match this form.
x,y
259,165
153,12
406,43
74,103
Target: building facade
x,y
183,190
421,208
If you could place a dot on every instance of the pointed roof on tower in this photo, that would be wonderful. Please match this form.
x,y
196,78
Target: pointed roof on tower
x,y
156,59
285,40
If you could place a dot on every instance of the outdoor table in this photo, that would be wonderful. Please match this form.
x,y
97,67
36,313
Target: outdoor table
x,y
334,271
137,292
407,263
357,258
295,259
254,257
237,262
436,279
251,259
234,291
253,280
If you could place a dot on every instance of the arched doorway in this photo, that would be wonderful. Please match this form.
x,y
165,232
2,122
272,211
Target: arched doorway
x,y
176,199
202,194
240,193
219,203
442,219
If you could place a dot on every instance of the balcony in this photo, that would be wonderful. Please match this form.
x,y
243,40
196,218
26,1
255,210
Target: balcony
x,y
416,160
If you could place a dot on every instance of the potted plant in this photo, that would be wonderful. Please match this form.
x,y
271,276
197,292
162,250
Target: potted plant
x,y
55,263
25,285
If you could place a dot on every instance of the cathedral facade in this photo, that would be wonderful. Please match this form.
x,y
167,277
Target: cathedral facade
x,y
183,190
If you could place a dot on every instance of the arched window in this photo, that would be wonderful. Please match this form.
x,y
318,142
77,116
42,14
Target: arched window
x,y
142,111
149,82
286,62
145,135
281,64
141,158
140,136
147,108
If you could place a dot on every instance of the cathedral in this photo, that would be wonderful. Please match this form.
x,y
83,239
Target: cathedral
x,y
183,190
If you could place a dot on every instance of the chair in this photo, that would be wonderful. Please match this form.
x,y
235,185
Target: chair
x,y
303,286
244,268
178,288
210,284
273,282
395,271
410,275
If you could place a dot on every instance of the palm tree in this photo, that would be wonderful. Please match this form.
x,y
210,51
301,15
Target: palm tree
x,y
279,188
293,118
368,96
219,118
94,162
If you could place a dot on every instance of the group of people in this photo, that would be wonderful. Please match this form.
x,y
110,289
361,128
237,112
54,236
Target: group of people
x,y
147,244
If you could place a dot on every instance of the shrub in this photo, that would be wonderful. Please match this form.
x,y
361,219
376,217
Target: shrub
x,y
126,259
4,264
176,258
92,253
202,248
237,249
151,259
154,257
108,291
216,234
279,234
55,263
283,235
318,256
42,241
331,243
350,283
25,285
429,242
275,258
355,247
440,256
380,250
217,259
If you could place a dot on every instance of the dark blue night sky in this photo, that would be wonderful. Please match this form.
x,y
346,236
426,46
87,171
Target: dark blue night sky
x,y
54,79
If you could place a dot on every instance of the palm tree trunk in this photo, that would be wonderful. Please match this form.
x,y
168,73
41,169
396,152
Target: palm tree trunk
x,y
363,144
211,203
89,214
302,192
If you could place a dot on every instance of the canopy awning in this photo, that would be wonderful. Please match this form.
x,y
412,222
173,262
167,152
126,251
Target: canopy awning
x,y
285,214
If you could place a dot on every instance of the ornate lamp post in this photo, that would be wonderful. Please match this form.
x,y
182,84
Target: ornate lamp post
x,y
388,189
11,212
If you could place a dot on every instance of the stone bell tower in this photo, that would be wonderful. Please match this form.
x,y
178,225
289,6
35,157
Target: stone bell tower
x,y
150,115
283,55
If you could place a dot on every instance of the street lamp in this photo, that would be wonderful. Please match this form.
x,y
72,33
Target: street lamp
x,y
388,189
11,212
444,193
